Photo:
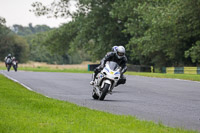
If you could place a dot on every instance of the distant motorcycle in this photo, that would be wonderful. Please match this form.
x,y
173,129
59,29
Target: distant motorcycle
x,y
14,63
8,64
106,80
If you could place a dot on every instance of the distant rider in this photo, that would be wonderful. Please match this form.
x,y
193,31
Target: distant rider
x,y
8,58
14,59
119,57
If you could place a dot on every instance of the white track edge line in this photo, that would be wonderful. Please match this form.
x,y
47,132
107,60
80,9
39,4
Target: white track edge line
x,y
17,81
20,83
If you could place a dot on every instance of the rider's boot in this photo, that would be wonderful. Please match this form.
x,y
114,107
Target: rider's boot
x,y
96,71
92,82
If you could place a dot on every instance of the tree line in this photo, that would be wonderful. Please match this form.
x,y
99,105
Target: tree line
x,y
154,32
12,43
28,43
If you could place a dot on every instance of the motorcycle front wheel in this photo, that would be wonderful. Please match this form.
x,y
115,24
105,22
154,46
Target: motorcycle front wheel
x,y
15,68
8,67
104,91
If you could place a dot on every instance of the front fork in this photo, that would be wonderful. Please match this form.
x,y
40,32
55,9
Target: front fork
x,y
107,82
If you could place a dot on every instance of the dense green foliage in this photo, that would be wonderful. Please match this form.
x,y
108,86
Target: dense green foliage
x,y
39,53
155,32
11,43
25,111
60,40
35,37
48,49
25,43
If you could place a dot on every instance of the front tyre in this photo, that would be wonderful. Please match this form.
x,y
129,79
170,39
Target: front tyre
x,y
8,67
15,68
104,91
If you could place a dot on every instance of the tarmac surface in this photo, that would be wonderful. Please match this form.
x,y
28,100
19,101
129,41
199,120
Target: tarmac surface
x,y
173,102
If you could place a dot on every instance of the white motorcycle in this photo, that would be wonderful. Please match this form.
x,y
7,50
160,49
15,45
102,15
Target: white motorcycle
x,y
106,80
14,63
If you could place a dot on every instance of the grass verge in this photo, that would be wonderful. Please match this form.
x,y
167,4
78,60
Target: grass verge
x,y
23,111
48,69
193,77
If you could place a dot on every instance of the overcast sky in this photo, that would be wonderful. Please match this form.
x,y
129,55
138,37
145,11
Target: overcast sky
x,y
17,12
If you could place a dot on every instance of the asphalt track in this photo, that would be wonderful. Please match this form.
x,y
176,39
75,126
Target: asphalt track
x,y
175,103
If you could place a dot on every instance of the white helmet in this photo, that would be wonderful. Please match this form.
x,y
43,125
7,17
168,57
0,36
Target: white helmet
x,y
120,52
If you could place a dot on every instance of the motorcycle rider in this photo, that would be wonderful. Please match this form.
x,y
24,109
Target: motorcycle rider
x,y
114,48
6,58
117,56
14,59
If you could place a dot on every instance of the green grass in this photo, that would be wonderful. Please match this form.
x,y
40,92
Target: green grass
x,y
2,68
47,69
193,77
24,111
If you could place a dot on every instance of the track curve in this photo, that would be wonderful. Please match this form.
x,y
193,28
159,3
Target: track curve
x,y
173,102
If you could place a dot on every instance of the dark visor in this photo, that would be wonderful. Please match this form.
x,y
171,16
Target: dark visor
x,y
120,54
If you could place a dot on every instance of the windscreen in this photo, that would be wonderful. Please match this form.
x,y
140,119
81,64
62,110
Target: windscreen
x,y
113,65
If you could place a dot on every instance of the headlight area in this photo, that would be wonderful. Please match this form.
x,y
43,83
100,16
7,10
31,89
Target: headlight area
x,y
112,81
